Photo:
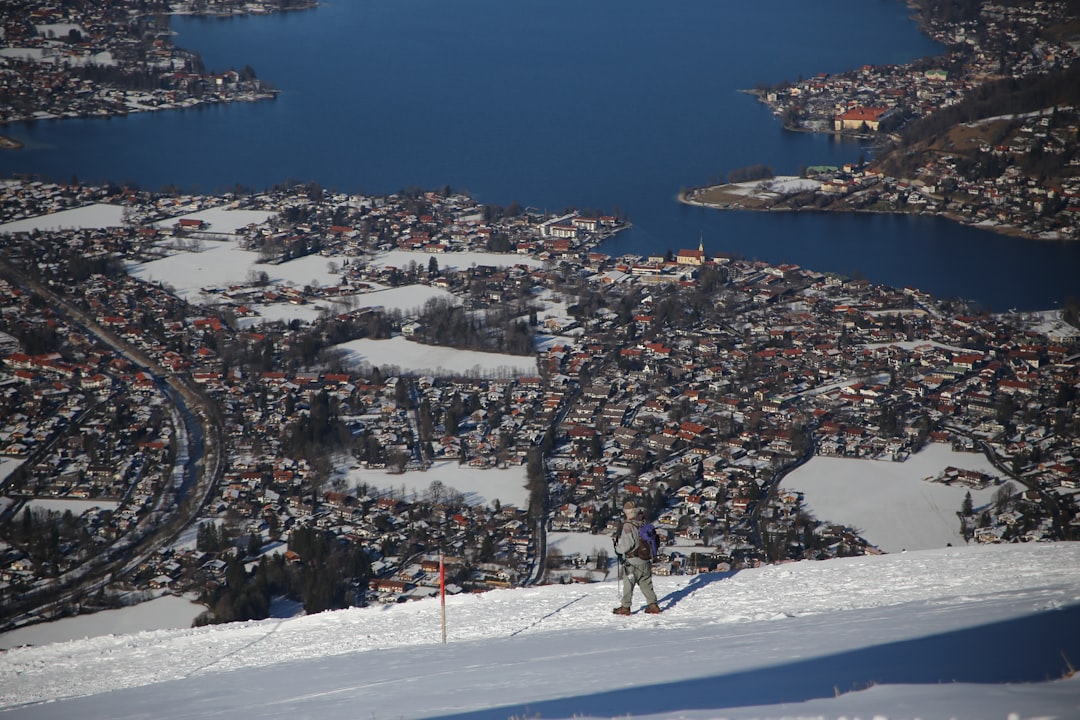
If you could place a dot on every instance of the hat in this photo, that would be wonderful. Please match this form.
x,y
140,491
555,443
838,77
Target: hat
x,y
629,509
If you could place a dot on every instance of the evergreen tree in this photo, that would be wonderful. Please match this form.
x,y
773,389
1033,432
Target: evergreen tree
x,y
254,544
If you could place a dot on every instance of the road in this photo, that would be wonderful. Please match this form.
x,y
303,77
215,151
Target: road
x,y
769,492
201,468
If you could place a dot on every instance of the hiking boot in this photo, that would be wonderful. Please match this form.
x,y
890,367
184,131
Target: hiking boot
x,y
621,610
653,609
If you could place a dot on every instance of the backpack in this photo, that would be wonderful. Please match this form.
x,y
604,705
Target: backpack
x,y
648,544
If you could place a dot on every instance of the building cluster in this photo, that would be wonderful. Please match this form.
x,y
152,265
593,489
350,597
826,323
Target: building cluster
x,y
86,59
1004,41
1011,200
812,364
63,401
1000,194
689,381
1016,174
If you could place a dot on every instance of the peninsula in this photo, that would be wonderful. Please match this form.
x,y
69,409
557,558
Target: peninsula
x,y
88,59
986,134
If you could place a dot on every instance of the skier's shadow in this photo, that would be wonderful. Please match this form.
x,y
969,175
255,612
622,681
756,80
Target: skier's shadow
x,y
701,580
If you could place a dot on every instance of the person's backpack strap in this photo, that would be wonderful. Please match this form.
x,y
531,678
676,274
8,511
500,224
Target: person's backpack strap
x,y
635,549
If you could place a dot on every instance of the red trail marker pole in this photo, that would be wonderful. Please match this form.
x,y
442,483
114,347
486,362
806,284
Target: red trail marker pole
x,y
442,595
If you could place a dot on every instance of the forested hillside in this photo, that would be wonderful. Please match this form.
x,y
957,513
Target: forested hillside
x,y
1005,99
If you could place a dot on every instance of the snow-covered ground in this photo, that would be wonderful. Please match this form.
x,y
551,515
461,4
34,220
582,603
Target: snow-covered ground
x,y
480,486
413,357
9,465
772,188
891,503
76,506
209,265
51,55
99,215
1051,324
967,633
788,185
452,260
167,612
221,263
220,220
578,543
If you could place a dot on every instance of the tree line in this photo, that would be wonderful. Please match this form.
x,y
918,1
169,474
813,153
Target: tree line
x,y
997,99
1009,96
327,573
445,322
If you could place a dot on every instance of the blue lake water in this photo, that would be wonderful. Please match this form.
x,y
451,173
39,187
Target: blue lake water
x,y
599,105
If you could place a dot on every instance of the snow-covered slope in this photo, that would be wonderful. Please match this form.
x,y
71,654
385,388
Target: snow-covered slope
x,y
973,632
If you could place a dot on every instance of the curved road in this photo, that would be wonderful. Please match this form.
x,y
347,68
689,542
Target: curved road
x,y
203,466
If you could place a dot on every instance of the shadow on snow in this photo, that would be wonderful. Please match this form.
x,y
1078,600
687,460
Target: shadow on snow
x,y
1034,648
698,583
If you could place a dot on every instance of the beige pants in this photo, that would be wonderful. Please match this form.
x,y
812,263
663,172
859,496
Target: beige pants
x,y
640,574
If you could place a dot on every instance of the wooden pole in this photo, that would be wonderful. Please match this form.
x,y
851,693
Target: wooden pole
x,y
442,594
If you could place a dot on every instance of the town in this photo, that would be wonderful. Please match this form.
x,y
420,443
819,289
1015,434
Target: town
x,y
88,59
1007,199
1003,158
252,407
225,442
691,382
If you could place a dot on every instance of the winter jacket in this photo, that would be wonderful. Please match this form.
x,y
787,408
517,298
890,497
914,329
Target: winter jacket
x,y
626,540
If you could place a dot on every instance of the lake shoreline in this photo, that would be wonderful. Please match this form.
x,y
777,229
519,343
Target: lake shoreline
x,y
730,199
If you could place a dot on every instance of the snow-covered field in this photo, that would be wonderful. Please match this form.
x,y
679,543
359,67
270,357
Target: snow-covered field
x,y
891,503
453,260
578,543
8,465
197,272
480,486
772,187
167,612
1050,323
974,633
52,56
221,263
220,220
77,507
99,215
432,359
788,185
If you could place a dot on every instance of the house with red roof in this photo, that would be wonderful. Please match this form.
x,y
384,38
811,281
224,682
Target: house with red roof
x,y
858,117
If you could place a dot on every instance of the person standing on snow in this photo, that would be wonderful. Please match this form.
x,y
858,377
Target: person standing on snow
x,y
636,562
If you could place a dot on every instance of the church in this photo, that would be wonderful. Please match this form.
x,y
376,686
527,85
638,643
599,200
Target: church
x,y
692,257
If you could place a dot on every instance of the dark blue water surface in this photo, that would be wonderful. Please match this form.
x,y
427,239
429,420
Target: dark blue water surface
x,y
598,104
